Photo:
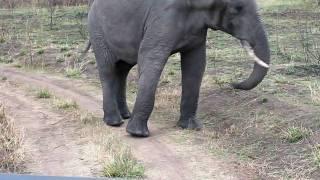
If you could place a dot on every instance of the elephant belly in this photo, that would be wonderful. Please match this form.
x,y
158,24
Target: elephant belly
x,y
126,50
189,42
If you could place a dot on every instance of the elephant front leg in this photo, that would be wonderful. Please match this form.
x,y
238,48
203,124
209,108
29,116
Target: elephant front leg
x,y
150,68
158,42
193,66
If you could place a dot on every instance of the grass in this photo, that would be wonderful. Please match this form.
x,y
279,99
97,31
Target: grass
x,y
64,49
296,134
124,165
315,93
11,151
17,66
65,104
43,94
4,78
40,51
88,118
316,156
73,72
2,40
6,60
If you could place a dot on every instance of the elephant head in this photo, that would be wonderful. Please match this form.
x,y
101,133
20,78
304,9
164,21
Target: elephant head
x,y
240,19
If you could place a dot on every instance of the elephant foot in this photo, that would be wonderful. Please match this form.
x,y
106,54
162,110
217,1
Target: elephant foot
x,y
191,123
138,128
126,114
114,121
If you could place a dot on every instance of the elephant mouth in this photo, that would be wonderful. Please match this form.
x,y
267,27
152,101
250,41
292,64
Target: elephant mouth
x,y
246,45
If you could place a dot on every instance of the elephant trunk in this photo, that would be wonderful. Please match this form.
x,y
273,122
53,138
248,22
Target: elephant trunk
x,y
260,52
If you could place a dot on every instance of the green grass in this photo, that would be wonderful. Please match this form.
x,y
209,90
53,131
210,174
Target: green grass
x,y
17,65
65,104
73,72
296,134
2,40
64,49
124,165
4,78
40,51
6,60
43,94
93,62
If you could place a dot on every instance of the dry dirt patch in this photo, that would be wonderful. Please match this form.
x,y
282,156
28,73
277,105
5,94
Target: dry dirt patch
x,y
53,143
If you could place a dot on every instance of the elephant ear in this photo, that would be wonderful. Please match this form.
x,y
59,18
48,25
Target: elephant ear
x,y
201,4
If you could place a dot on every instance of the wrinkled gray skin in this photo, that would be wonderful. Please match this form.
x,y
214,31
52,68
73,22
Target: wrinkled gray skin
x,y
124,33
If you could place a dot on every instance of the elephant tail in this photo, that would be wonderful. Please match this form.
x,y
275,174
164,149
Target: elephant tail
x,y
86,50
87,47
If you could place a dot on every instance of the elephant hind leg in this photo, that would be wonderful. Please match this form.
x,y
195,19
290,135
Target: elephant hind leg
x,y
122,71
109,80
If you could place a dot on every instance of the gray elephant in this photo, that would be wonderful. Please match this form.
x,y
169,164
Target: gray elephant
x,y
124,33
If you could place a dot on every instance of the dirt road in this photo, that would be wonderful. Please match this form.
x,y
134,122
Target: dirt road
x,y
51,141
56,149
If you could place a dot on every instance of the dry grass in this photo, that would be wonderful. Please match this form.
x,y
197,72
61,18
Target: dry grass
x,y
87,118
315,93
168,98
65,104
11,152
123,164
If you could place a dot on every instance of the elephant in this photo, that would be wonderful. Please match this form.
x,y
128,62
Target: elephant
x,y
125,33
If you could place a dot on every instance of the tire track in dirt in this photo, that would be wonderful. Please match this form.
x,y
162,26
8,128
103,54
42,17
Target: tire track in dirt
x,y
162,159
51,141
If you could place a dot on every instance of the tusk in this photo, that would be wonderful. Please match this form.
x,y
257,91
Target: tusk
x,y
251,53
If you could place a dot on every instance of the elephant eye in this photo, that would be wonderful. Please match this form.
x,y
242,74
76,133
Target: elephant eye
x,y
239,8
